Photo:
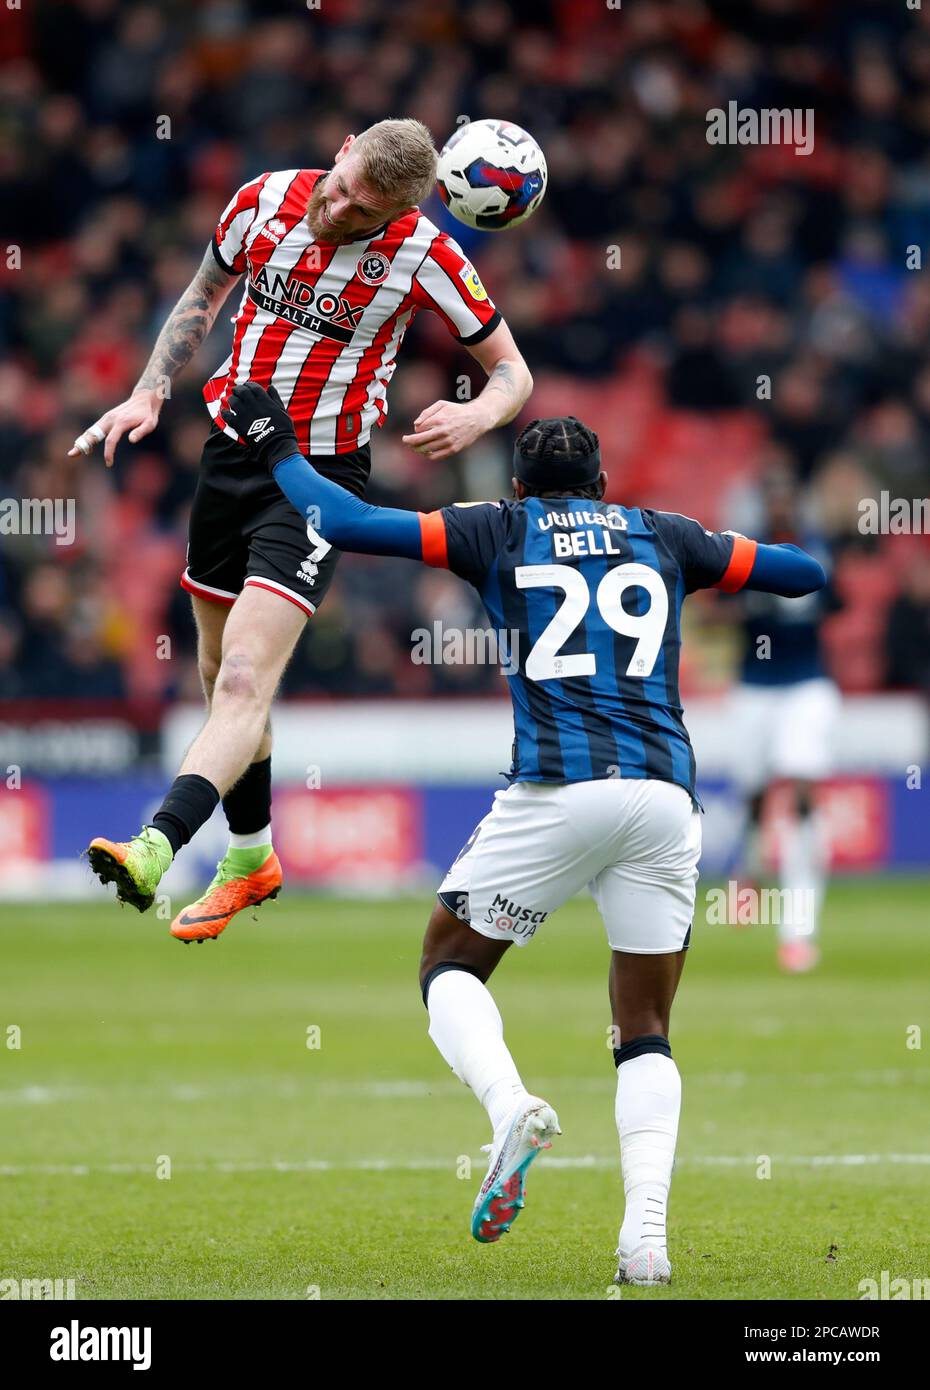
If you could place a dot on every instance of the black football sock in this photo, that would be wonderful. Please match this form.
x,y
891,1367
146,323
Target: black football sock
x,y
189,804
247,805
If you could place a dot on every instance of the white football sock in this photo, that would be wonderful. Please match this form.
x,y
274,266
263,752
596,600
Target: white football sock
x,y
466,1026
259,837
803,875
647,1110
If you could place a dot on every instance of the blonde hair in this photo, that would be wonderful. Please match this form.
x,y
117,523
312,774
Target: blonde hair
x,y
398,160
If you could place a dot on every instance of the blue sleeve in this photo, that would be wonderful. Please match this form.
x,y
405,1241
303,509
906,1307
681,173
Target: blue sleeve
x,y
344,520
474,533
730,562
786,570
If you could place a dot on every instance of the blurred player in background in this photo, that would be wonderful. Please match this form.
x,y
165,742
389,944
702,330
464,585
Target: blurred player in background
x,y
602,785
782,722
337,263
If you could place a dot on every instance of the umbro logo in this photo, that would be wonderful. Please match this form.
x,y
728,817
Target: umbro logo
x,y
257,426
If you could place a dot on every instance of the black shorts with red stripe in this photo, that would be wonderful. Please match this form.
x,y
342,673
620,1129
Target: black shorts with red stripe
x,y
244,531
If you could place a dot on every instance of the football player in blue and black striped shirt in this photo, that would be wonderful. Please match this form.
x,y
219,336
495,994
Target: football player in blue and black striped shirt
x,y
602,784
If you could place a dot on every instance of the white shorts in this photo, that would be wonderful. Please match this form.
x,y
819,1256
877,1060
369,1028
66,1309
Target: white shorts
x,y
782,731
635,844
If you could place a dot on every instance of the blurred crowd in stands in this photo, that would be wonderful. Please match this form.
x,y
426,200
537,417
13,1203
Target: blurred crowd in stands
x,y
713,311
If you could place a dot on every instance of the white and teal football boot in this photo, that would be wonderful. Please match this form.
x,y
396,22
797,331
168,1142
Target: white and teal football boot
x,y
532,1128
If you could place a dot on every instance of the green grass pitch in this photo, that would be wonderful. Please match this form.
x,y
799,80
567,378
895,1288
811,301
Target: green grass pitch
x,y
338,1171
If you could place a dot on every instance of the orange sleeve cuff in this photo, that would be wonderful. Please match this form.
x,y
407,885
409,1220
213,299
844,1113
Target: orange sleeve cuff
x,y
740,566
433,539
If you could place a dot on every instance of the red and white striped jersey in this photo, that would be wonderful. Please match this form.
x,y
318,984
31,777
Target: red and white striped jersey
x,y
323,323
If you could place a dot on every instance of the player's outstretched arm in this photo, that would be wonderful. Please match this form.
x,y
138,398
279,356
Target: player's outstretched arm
x,y
185,329
772,569
786,570
259,417
446,427
728,561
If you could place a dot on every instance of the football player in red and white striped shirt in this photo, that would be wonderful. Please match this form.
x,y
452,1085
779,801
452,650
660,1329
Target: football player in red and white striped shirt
x,y
336,263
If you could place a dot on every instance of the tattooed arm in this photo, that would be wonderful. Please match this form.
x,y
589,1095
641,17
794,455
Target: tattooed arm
x,y
187,325
446,427
509,383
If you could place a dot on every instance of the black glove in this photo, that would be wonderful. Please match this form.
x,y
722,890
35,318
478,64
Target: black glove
x,y
261,422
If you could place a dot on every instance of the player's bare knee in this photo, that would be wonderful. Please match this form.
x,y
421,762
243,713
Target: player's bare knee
x,y
238,681
452,944
434,957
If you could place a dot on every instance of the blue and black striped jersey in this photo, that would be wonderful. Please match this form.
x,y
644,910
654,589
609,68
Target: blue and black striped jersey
x,y
590,594
587,597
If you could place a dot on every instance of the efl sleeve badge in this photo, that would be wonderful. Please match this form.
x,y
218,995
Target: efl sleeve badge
x,y
472,281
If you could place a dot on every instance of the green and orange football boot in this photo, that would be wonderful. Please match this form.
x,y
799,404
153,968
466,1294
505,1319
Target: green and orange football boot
x,y
136,866
239,882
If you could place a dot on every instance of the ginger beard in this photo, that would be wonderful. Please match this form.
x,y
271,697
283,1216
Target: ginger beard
x,y
320,228
334,235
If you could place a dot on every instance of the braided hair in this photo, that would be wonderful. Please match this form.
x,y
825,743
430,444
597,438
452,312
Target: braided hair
x,y
557,440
